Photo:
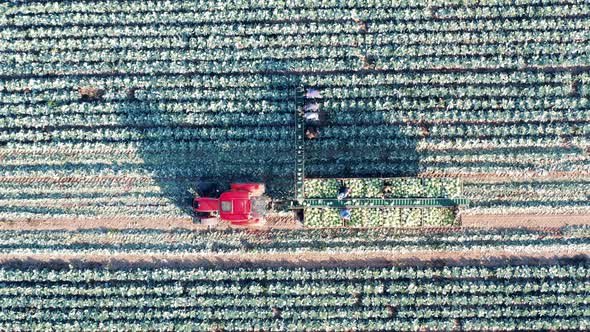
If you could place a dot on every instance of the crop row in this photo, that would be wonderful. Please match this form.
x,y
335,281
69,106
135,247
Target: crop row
x,y
380,188
340,324
147,241
402,298
227,15
272,133
332,94
216,167
183,5
352,64
381,217
286,28
518,272
336,80
253,49
428,146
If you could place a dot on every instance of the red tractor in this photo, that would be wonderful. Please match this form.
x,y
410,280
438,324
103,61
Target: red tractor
x,y
238,206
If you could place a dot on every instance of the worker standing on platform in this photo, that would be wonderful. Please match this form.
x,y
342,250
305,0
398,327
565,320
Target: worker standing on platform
x,y
344,192
312,114
311,107
312,93
311,111
311,133
345,213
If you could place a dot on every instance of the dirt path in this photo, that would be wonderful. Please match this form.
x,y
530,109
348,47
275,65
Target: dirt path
x,y
128,222
523,220
308,260
477,221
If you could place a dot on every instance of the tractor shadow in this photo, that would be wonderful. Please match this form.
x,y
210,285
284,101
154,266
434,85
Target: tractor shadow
x,y
225,134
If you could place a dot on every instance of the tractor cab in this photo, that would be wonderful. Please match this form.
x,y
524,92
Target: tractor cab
x,y
234,206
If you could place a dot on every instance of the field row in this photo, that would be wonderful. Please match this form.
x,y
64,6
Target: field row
x,y
369,168
508,11
320,81
383,188
426,146
301,66
287,29
381,217
367,299
275,133
342,97
415,162
134,188
215,48
343,240
183,5
134,241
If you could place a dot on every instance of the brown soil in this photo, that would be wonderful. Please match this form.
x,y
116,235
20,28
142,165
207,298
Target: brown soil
x,y
308,260
470,221
523,220
128,222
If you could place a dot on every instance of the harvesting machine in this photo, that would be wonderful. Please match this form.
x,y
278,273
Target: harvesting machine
x,y
245,205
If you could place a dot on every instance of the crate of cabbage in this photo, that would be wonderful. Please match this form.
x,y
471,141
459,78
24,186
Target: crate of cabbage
x,y
407,187
381,217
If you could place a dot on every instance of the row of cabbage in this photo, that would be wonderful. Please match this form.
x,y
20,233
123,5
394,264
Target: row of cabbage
x,y
381,132
331,85
368,299
381,217
30,8
256,14
302,56
377,97
146,241
384,187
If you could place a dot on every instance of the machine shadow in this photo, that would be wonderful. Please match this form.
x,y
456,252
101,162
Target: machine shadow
x,y
365,142
195,142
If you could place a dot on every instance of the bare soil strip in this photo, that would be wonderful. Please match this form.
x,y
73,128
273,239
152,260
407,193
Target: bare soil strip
x,y
127,223
470,221
523,220
306,260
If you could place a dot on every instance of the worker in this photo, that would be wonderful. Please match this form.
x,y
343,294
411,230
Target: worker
x,y
344,192
315,117
312,107
311,116
345,213
312,93
311,133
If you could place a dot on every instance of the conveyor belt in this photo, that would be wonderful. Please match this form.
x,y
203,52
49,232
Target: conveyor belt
x,y
387,202
299,151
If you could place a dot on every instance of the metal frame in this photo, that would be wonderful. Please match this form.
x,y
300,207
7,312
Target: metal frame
x,y
387,202
299,152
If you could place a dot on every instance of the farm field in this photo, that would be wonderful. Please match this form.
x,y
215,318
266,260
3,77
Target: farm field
x,y
370,299
445,185
494,94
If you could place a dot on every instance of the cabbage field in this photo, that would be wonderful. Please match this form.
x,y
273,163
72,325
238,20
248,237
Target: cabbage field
x,y
470,298
495,93
429,113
